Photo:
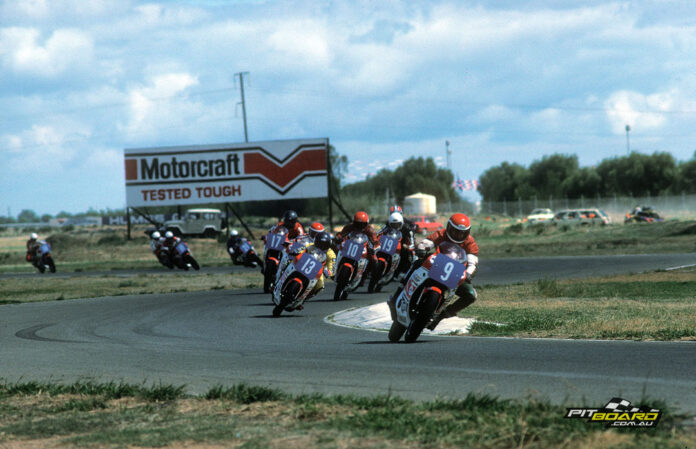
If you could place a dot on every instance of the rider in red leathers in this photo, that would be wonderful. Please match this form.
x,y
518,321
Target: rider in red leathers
x,y
457,231
360,224
290,222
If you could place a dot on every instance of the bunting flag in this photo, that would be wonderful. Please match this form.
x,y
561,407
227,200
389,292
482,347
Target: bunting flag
x,y
464,185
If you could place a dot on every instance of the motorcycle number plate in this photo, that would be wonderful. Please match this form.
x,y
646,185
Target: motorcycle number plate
x,y
388,244
308,266
181,248
275,241
352,250
446,271
45,248
245,247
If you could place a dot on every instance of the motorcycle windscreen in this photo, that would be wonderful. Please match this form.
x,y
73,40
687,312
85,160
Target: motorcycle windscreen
x,y
388,244
446,271
308,266
181,248
352,250
45,248
245,247
275,241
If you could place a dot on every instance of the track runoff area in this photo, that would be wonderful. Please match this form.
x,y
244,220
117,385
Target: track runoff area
x,y
203,339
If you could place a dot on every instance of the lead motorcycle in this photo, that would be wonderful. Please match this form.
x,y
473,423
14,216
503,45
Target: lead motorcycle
x,y
42,259
427,291
274,247
182,257
351,262
388,255
298,280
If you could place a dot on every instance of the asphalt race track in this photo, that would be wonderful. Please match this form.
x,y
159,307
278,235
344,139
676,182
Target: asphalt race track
x,y
203,339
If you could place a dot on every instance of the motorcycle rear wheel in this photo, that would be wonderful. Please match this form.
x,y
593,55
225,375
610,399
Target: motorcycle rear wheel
x,y
396,331
428,304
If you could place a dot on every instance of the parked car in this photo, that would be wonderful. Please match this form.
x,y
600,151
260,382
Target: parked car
x,y
642,214
539,215
425,224
194,223
588,216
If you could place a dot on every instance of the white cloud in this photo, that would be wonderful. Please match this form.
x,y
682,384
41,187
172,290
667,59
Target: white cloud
x,y
158,106
638,110
41,149
65,49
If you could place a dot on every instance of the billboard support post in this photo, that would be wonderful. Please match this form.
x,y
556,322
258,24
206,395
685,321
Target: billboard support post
x,y
128,225
329,190
239,217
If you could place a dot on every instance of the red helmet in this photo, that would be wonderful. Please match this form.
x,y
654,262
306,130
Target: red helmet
x,y
314,229
361,219
458,228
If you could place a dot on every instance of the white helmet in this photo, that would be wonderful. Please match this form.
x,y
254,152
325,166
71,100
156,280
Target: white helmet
x,y
234,233
33,236
156,235
396,221
168,235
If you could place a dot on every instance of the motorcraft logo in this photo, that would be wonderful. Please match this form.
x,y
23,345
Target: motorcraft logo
x,y
617,412
202,174
227,165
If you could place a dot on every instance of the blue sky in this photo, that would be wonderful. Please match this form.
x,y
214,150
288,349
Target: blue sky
x,y
502,81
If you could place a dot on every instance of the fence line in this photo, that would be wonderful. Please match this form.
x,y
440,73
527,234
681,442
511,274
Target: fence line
x,y
670,206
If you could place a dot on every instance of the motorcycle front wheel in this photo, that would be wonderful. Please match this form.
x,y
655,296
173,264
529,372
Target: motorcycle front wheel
x,y
289,293
342,279
428,304
51,265
396,331
193,263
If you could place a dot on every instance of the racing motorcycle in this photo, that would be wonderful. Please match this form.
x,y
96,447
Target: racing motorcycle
x,y
351,264
42,258
274,247
298,280
243,253
427,291
388,255
182,257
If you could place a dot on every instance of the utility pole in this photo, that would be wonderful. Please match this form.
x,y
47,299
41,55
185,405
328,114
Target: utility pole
x,y
241,88
449,155
628,146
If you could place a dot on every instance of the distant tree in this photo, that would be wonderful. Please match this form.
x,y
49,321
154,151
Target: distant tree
x,y
27,216
504,181
414,175
583,182
5,220
63,214
45,218
638,174
547,175
687,176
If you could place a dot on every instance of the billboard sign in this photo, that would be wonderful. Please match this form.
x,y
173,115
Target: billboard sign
x,y
201,174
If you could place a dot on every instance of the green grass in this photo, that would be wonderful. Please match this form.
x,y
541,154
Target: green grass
x,y
122,415
46,288
648,306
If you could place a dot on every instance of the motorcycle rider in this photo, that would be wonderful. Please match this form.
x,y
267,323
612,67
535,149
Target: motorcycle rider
x,y
304,240
156,243
322,241
397,221
233,249
170,241
33,245
360,223
458,231
290,222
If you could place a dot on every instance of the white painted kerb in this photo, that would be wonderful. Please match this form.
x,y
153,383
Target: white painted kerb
x,y
377,318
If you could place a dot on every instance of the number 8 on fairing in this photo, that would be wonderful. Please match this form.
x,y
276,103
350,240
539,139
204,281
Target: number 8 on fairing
x,y
448,271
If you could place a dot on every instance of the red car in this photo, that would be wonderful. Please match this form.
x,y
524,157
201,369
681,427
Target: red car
x,y
426,224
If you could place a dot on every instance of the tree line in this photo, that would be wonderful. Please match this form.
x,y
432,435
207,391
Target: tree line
x,y
560,176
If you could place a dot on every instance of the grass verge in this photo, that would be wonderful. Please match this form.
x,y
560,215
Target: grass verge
x,y
648,306
35,415
13,291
